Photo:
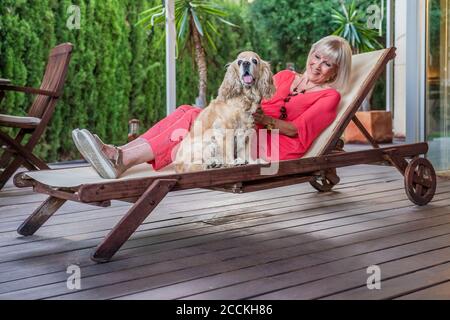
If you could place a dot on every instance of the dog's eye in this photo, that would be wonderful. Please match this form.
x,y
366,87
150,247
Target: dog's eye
x,y
239,62
255,61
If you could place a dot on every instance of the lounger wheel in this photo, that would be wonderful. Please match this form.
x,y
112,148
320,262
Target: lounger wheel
x,y
420,181
326,181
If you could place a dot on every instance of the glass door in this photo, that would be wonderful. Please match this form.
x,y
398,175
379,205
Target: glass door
x,y
437,84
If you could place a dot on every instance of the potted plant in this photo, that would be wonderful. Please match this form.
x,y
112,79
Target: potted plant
x,y
351,25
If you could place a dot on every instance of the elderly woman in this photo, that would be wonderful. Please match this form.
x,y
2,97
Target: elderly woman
x,y
302,107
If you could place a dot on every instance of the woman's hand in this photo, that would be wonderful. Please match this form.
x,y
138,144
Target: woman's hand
x,y
260,117
286,128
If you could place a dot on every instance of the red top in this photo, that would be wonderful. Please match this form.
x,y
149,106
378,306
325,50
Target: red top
x,y
311,112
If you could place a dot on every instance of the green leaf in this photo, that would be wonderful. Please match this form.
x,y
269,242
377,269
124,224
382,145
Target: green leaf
x,y
184,20
160,40
346,30
211,42
212,11
143,20
344,9
197,23
339,31
355,34
152,10
212,27
337,18
228,22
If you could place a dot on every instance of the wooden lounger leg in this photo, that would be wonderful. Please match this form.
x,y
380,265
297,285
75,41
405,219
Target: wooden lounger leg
x,y
40,216
398,162
365,133
326,181
133,219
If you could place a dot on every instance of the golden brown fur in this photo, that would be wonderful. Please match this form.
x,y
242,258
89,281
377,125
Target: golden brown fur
x,y
211,140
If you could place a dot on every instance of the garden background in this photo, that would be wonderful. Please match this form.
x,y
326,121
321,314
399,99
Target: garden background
x,y
117,71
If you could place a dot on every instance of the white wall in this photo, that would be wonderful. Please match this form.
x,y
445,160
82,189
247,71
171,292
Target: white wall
x,y
400,69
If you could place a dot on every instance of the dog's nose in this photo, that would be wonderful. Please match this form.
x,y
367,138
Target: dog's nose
x,y
246,64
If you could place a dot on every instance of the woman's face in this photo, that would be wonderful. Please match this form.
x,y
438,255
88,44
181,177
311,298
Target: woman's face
x,y
320,68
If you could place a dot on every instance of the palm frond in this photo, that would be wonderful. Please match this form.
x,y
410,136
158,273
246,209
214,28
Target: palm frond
x,y
197,23
211,41
183,23
206,15
212,11
228,23
152,10
212,27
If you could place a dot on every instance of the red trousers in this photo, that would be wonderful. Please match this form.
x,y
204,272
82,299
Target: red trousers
x,y
164,136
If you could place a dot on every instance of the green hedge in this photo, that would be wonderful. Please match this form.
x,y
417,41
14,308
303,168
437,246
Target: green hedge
x,y
116,73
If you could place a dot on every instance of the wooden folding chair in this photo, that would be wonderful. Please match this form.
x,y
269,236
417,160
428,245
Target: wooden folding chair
x,y
15,154
146,188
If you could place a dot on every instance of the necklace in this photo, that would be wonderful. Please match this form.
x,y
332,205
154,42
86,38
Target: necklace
x,y
304,90
283,110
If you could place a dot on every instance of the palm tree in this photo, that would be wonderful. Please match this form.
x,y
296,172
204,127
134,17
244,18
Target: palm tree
x,y
195,21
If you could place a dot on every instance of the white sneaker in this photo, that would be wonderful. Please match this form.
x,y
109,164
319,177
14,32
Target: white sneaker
x,y
91,150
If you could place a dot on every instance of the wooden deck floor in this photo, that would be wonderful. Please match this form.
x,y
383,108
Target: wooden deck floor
x,y
285,243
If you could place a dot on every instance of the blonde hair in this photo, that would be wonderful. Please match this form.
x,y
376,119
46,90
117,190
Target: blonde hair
x,y
338,50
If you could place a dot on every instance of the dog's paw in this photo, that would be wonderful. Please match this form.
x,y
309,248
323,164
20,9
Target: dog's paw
x,y
258,161
213,163
240,162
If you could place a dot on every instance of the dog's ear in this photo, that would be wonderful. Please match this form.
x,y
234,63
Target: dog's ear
x,y
265,81
231,85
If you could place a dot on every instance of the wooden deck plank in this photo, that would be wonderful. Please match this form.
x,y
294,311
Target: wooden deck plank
x,y
178,230
328,272
222,199
171,248
435,292
150,247
218,245
405,276
294,250
262,264
212,232
228,211
292,208
212,196
255,235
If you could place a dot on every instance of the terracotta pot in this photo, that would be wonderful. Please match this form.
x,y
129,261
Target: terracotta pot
x,y
377,123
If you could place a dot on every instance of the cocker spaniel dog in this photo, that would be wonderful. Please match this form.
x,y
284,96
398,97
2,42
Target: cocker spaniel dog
x,y
221,134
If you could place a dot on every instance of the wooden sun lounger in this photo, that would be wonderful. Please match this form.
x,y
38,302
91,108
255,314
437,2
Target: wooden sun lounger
x,y
146,188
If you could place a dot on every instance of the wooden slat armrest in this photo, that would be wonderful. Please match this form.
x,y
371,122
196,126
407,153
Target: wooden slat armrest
x,y
5,81
30,90
19,122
